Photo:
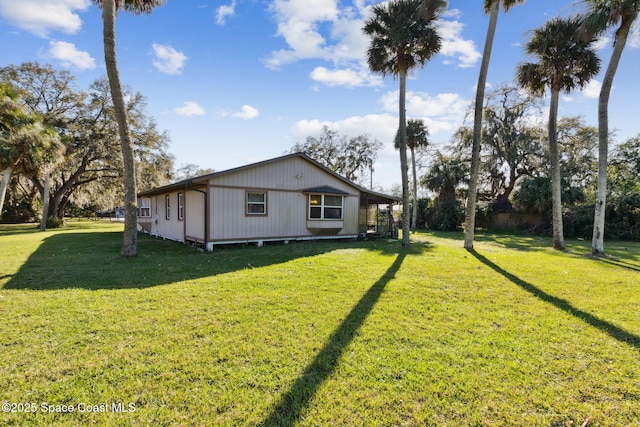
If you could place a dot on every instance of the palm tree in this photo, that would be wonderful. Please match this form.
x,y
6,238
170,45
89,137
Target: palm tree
x,y
50,151
109,9
491,7
33,150
565,61
11,113
25,144
403,36
444,176
417,137
602,15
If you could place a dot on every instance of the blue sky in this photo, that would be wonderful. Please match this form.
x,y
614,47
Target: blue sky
x,y
239,81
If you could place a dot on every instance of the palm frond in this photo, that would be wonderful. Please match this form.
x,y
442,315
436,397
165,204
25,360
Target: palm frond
x,y
137,7
565,56
401,38
508,4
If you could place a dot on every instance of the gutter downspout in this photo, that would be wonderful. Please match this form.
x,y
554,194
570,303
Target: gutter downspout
x,y
206,212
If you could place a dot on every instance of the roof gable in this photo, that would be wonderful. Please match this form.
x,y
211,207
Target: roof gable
x,y
189,183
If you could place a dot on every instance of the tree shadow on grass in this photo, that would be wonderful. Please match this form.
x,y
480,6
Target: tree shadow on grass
x,y
92,260
15,229
288,410
616,262
511,240
609,328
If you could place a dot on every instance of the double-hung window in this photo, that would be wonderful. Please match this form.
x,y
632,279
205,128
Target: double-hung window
x,y
167,207
325,206
256,203
144,210
180,206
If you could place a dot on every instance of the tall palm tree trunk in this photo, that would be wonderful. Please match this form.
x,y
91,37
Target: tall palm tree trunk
x,y
414,217
597,241
470,213
45,201
3,185
403,157
129,242
556,185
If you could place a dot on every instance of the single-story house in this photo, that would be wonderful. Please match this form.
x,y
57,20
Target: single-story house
x,y
115,214
292,197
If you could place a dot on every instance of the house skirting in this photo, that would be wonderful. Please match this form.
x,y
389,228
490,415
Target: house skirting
x,y
260,242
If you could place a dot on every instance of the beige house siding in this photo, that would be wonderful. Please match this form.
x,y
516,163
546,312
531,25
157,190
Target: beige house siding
x,y
287,205
173,228
216,208
194,216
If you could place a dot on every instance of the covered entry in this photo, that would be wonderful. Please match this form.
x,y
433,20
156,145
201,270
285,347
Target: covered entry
x,y
376,215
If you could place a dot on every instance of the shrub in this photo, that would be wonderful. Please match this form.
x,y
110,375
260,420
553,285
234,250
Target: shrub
x,y
55,222
623,217
534,195
447,216
423,212
578,221
484,215
19,213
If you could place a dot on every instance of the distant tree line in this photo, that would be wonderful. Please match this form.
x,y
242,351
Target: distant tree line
x,y
352,157
404,35
59,145
514,170
514,173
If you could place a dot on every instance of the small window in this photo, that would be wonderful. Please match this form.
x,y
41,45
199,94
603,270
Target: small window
x,y
180,207
325,206
167,206
315,206
256,203
144,210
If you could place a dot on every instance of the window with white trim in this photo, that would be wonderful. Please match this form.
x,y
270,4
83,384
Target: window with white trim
x,y
144,209
167,207
180,206
325,206
256,203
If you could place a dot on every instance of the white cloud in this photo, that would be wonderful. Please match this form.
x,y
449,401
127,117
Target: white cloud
x,y
602,42
453,45
442,113
306,10
42,17
317,29
324,30
168,60
246,113
381,127
189,109
224,12
592,89
634,36
345,77
633,40
70,56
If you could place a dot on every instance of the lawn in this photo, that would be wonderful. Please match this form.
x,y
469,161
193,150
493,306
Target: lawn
x,y
316,334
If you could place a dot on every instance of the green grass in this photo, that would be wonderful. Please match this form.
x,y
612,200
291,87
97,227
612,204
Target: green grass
x,y
318,333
